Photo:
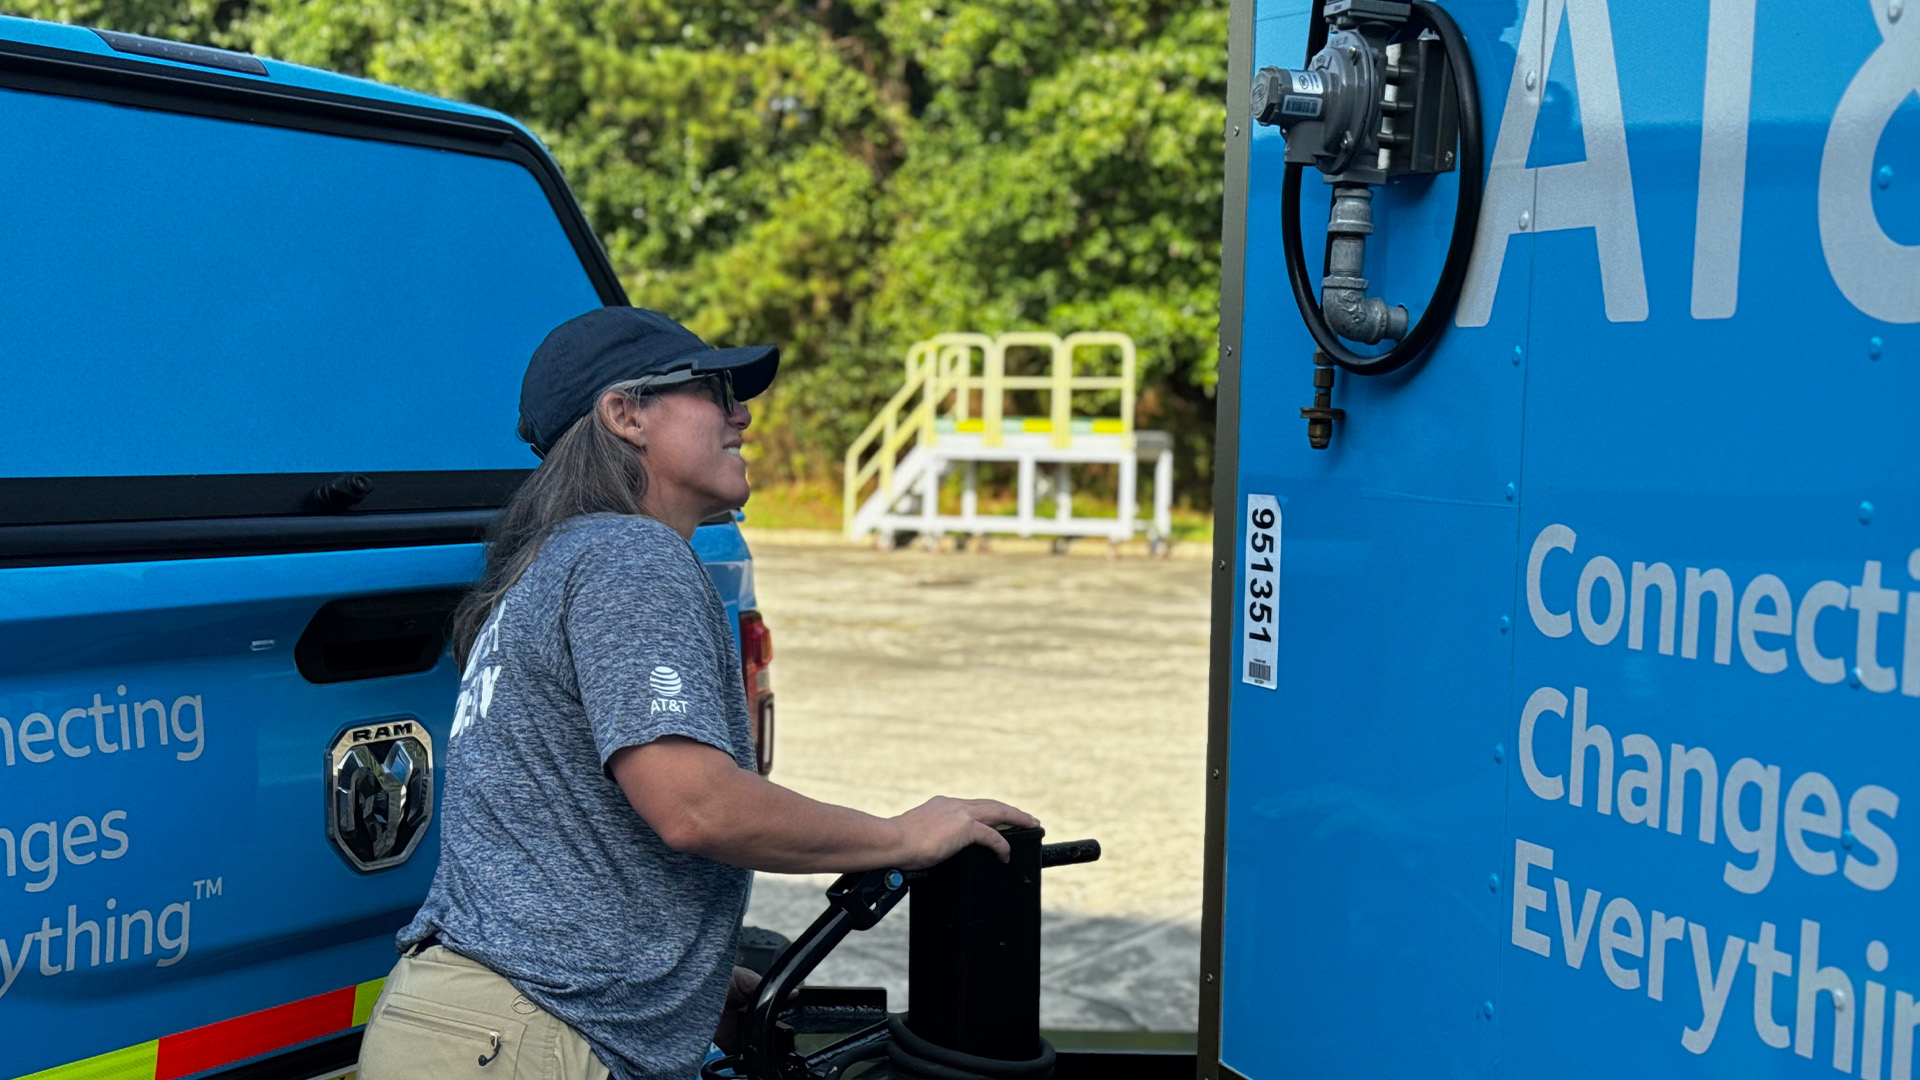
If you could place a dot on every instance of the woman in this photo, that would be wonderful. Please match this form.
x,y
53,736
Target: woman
x,y
601,810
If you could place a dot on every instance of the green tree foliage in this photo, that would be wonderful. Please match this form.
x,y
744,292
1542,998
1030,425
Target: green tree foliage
x,y
839,176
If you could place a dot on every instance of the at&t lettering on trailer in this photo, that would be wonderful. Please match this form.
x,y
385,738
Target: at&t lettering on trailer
x,y
1566,690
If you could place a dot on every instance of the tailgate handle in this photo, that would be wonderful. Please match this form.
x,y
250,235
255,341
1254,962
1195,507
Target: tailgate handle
x,y
375,637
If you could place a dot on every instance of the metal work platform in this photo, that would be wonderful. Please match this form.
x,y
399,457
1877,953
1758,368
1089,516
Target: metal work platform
x,y
951,414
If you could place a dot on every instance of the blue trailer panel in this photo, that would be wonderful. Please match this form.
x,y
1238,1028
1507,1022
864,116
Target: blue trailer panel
x,y
1596,641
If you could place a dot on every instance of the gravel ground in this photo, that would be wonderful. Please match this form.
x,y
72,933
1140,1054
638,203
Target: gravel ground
x,y
1072,687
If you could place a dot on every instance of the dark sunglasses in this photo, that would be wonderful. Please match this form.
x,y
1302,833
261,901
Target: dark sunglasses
x,y
717,388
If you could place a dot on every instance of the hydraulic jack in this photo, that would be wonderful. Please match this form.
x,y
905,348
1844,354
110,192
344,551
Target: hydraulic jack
x,y
973,960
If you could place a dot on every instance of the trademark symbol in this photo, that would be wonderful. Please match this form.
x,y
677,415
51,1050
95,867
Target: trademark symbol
x,y
206,887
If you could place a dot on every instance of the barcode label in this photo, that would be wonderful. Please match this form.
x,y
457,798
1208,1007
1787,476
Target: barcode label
x,y
1260,604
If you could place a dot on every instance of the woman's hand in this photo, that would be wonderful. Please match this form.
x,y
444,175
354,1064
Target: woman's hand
x,y
742,988
940,827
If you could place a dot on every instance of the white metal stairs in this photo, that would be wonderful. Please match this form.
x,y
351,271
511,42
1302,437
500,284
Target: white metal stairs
x,y
950,414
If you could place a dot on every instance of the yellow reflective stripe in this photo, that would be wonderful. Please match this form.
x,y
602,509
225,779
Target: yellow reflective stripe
x,y
142,1062
1108,427
1035,424
364,996
132,1063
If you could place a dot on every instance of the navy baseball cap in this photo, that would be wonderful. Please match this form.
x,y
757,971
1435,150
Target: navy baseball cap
x,y
591,352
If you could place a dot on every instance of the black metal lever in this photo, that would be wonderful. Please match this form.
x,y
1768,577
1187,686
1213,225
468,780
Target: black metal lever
x,y
866,898
1068,853
855,902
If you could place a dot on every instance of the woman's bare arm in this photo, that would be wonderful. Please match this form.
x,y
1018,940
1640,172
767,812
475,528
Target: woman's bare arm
x,y
699,801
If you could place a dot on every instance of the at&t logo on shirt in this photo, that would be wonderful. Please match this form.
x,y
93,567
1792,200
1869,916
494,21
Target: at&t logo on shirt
x,y
666,689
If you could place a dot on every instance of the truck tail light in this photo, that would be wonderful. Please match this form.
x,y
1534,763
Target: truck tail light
x,y
756,659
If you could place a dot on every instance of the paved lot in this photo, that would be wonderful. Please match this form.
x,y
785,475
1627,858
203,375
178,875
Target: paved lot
x,y
1072,687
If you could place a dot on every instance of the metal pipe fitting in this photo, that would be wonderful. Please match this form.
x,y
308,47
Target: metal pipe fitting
x,y
1343,291
1321,414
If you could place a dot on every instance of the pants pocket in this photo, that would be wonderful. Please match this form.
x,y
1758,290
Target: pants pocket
x,y
408,1038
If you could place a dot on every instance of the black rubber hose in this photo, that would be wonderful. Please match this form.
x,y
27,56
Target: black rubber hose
x,y
1466,221
915,1057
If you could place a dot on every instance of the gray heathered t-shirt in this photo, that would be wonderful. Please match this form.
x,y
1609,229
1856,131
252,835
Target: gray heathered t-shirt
x,y
614,637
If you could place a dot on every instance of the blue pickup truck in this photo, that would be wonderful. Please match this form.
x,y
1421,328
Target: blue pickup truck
x,y
263,329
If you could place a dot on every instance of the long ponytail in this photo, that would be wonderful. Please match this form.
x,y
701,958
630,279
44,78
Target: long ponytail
x,y
589,470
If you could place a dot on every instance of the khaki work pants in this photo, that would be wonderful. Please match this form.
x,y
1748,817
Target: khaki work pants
x,y
443,1015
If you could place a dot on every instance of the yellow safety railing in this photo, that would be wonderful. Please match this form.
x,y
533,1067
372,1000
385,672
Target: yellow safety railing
x,y
940,375
936,368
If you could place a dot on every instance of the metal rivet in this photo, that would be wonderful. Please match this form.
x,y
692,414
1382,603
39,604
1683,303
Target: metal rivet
x,y
1874,347
1512,492
1866,513
1506,623
1893,10
1220,565
1493,882
1499,753
1846,839
1884,177
1533,79
1486,1009
1518,352
1853,677
894,880
1526,220
1229,349
1209,976
1216,774
1446,158
1236,129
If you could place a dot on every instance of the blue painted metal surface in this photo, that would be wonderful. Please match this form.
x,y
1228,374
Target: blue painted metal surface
x,y
1412,885
229,793
82,40
186,295
723,551
264,300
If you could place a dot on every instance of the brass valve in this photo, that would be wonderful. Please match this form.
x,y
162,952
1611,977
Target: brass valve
x,y
1321,414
